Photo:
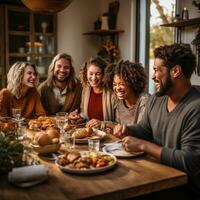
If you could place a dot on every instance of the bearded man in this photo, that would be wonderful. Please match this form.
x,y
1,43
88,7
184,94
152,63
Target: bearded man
x,y
61,91
170,128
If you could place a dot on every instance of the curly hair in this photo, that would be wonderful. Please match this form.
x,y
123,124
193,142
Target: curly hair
x,y
177,54
71,80
97,61
132,73
15,77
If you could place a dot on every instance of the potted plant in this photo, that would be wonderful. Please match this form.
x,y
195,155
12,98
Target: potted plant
x,y
11,153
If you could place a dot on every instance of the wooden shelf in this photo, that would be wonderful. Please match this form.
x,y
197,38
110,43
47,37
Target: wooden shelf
x,y
104,32
184,23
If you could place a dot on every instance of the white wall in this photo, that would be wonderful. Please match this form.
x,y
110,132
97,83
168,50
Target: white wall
x,y
79,17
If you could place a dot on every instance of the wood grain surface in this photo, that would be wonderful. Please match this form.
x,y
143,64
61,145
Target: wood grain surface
x,y
129,178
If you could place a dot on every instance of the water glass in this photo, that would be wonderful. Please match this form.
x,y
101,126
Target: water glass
x,y
61,121
16,112
93,144
21,131
69,140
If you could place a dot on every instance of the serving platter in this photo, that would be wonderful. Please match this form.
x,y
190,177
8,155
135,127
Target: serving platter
x,y
118,150
92,170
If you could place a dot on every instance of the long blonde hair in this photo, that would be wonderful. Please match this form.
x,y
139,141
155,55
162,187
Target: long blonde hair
x,y
71,80
15,78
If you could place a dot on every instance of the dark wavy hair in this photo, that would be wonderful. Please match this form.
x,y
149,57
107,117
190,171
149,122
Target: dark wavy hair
x,y
177,54
132,73
97,61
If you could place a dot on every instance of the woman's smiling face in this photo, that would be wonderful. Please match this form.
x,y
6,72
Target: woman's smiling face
x,y
94,76
121,87
30,76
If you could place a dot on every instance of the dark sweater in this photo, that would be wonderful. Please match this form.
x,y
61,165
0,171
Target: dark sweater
x,y
178,132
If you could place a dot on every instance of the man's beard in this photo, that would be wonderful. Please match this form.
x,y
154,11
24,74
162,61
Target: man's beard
x,y
164,88
61,81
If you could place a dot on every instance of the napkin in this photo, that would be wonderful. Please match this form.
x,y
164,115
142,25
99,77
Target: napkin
x,y
28,174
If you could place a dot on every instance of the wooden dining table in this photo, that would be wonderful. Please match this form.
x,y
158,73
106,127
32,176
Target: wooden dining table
x,y
129,178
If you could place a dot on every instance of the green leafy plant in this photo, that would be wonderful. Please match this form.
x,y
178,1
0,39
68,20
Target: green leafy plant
x,y
10,153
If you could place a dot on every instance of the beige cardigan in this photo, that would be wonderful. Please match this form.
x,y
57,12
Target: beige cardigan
x,y
109,101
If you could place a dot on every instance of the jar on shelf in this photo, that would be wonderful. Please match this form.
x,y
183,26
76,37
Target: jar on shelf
x,y
104,22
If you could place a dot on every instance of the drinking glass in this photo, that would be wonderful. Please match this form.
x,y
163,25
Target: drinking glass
x,y
93,144
69,140
16,112
61,121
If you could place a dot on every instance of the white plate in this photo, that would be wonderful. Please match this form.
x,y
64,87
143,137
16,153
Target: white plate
x,y
88,171
99,133
118,150
29,184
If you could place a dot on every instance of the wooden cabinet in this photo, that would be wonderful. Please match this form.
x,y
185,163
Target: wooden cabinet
x,y
181,24
29,37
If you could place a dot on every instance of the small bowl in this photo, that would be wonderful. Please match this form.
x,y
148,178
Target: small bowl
x,y
52,148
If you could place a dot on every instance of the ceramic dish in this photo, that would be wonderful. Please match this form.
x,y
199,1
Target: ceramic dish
x,y
92,170
98,134
118,150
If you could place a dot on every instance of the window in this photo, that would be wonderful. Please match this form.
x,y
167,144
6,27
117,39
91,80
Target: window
x,y
152,14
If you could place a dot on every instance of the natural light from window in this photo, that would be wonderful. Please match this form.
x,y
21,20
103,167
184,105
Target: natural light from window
x,y
161,12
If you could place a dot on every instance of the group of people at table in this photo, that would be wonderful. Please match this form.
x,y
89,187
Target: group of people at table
x,y
165,125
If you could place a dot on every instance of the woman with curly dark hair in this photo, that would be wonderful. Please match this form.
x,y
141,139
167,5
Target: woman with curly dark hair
x,y
128,81
98,103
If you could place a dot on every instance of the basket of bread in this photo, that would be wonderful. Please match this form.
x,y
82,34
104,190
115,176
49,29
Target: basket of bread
x,y
48,141
85,162
82,135
42,123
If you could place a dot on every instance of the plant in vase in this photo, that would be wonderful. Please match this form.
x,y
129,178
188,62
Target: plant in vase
x,y
109,51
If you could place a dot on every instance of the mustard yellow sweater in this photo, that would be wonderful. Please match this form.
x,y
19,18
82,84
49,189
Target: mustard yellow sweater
x,y
30,104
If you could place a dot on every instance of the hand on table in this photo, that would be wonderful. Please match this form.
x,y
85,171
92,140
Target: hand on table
x,y
119,131
94,123
133,144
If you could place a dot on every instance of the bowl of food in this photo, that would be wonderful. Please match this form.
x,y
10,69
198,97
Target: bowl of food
x,y
45,142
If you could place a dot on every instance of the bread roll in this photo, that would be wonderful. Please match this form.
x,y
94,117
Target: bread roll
x,y
44,139
53,133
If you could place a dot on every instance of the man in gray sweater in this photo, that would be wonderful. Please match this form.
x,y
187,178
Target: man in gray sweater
x,y
170,128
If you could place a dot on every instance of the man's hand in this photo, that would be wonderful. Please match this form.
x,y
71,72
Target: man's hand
x,y
133,144
119,130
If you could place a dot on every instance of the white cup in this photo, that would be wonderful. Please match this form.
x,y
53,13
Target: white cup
x,y
93,144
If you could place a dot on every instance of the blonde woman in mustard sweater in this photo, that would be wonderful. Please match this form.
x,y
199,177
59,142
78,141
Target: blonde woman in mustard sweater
x,y
21,91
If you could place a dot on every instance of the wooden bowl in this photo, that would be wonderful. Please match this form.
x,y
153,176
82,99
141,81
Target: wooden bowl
x,y
52,148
